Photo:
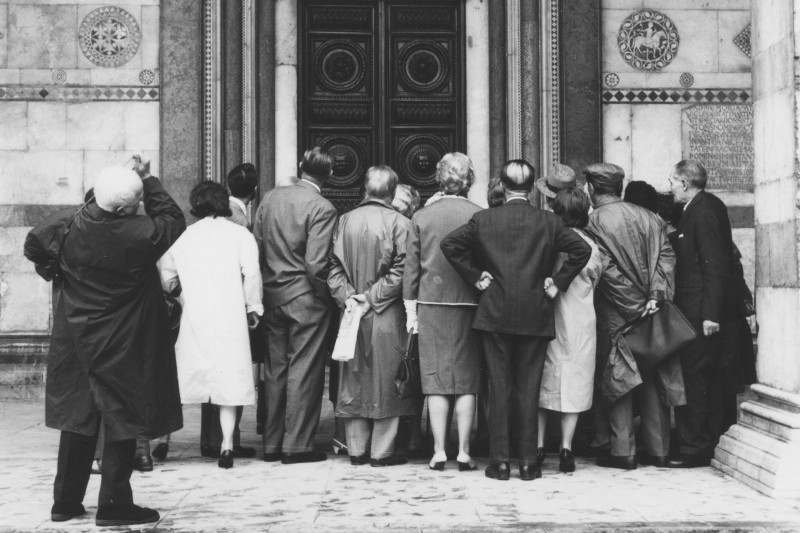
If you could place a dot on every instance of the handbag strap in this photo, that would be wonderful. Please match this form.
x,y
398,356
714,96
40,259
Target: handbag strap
x,y
409,343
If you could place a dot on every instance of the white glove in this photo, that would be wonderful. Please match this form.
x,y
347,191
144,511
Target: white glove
x,y
411,316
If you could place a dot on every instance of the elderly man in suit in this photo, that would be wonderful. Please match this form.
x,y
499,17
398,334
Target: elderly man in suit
x,y
509,252
293,228
704,249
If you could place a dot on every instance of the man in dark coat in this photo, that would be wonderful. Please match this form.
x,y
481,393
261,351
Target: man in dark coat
x,y
702,285
509,253
111,360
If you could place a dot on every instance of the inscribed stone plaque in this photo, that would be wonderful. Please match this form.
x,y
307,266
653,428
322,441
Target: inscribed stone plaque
x,y
721,138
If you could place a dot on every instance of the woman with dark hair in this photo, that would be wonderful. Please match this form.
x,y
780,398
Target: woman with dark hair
x,y
642,194
216,263
568,378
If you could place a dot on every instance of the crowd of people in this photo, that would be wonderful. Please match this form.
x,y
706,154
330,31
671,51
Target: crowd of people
x,y
518,310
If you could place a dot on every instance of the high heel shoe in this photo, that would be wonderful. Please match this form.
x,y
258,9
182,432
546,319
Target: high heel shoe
x,y
465,466
566,461
437,461
438,465
225,459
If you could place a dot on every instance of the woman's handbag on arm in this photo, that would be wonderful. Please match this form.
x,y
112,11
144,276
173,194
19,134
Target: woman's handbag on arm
x,y
407,380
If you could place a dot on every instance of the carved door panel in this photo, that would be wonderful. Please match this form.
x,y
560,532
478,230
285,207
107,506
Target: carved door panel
x,y
381,82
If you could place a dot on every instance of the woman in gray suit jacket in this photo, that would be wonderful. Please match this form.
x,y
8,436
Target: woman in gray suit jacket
x,y
441,305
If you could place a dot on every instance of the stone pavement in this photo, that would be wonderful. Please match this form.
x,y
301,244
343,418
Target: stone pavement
x,y
193,494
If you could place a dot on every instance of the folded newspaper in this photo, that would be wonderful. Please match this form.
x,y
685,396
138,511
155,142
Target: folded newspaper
x,y
345,347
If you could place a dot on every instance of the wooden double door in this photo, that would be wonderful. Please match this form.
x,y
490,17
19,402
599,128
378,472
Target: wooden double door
x,y
381,82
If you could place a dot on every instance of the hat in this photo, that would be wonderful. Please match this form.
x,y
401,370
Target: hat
x,y
562,177
605,174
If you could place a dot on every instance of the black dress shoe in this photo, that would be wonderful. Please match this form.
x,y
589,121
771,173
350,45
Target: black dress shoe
x,y
303,457
392,460
243,452
208,451
358,460
125,515
143,463
272,457
529,472
566,461
540,455
623,462
689,461
225,459
499,471
61,512
160,451
654,460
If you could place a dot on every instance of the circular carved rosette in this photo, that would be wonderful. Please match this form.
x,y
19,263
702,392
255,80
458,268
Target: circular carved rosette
x,y
648,40
340,66
423,67
417,157
349,160
109,36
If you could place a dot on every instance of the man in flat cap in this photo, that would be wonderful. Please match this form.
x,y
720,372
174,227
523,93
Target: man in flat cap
x,y
639,272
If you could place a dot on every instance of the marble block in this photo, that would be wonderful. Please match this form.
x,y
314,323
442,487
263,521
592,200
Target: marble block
x,y
96,126
13,125
655,143
772,22
41,177
25,302
774,201
4,38
9,76
42,36
286,43
44,76
774,136
617,136
141,125
731,58
47,125
150,23
778,311
699,45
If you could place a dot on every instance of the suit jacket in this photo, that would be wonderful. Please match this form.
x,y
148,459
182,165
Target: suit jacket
x,y
704,249
294,229
238,215
429,277
518,245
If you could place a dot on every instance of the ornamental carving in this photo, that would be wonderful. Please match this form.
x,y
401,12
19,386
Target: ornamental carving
x,y
341,19
349,160
417,158
109,36
340,66
339,113
424,113
742,41
419,18
648,40
423,67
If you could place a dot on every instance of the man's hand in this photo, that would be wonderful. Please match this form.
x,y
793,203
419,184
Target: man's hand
x,y
483,283
710,328
252,320
550,288
650,307
357,300
141,165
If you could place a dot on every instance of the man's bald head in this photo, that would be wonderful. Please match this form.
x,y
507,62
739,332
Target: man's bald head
x,y
118,190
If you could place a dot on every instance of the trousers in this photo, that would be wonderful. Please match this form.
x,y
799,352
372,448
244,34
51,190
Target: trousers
x,y
379,433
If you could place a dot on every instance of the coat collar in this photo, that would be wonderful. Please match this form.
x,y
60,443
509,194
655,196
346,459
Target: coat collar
x,y
308,185
94,211
378,201
607,199
698,199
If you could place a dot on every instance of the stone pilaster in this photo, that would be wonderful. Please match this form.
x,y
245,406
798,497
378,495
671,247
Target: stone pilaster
x,y
763,448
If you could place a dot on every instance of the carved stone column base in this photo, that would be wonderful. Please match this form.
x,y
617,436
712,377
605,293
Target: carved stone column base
x,y
763,449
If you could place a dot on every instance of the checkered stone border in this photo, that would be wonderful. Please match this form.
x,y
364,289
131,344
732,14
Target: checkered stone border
x,y
49,93
677,96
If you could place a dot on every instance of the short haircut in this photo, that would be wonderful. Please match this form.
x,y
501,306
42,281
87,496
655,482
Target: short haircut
x,y
117,187
380,182
209,198
572,205
642,194
455,173
243,180
693,172
603,187
317,163
517,175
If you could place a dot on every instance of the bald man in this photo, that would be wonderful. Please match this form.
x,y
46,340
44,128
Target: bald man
x,y
111,361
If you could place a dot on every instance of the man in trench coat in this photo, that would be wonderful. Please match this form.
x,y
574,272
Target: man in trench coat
x,y
110,360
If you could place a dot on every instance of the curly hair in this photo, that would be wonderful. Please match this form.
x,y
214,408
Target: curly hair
x,y
209,199
455,173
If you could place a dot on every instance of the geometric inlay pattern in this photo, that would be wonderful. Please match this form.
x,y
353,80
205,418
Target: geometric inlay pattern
x,y
341,66
109,36
648,40
611,79
147,77
686,80
79,94
423,67
677,96
59,76
742,41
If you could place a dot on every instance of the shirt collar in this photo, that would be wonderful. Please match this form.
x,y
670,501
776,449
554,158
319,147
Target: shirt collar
x,y
523,198
240,203
316,187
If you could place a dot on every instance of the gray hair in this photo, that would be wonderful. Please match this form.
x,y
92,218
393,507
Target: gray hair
x,y
455,173
117,187
693,172
380,182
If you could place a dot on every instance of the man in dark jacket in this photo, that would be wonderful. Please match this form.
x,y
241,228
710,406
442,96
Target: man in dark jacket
x,y
509,253
111,360
703,280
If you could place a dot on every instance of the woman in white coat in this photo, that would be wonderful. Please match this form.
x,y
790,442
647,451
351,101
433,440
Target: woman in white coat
x,y
216,263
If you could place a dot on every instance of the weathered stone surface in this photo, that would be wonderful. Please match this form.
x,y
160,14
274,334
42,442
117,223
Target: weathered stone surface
x,y
477,35
775,201
13,125
42,36
731,58
656,143
25,302
777,265
47,126
41,177
151,27
141,125
778,311
773,132
3,40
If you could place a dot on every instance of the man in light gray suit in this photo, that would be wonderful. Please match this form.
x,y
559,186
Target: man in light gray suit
x,y
294,228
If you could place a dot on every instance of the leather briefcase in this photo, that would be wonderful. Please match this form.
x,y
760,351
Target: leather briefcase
x,y
655,337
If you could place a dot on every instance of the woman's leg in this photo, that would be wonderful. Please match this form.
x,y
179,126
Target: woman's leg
x,y
227,421
568,423
465,413
543,427
438,407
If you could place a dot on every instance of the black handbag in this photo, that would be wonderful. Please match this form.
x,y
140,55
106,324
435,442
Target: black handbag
x,y
407,380
653,338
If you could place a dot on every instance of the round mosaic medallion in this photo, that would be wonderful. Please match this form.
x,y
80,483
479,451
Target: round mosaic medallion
x,y
612,80
349,161
59,76
422,67
109,36
341,66
648,40
687,80
417,158
147,77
